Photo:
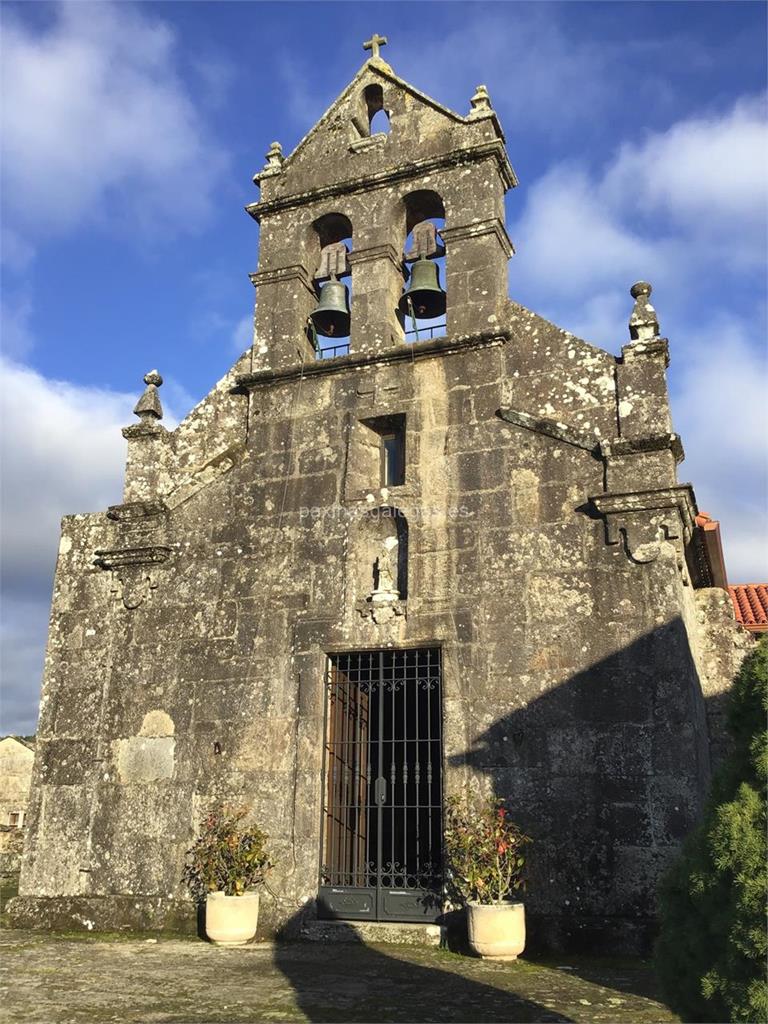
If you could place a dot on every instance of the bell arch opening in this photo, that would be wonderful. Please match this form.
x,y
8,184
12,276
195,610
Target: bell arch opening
x,y
423,303
328,326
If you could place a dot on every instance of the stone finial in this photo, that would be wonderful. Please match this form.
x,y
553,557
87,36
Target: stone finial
x,y
149,407
481,103
374,44
643,323
275,160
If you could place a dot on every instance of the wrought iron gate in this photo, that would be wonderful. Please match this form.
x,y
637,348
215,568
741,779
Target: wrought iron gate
x,y
382,815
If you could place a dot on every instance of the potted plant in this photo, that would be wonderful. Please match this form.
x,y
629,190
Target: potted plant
x,y
224,864
485,860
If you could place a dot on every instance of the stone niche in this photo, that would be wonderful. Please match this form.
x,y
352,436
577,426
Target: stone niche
x,y
379,560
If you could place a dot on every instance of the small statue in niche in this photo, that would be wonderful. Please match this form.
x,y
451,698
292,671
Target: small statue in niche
x,y
385,572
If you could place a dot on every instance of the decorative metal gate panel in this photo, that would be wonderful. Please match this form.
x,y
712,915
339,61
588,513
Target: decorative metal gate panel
x,y
382,814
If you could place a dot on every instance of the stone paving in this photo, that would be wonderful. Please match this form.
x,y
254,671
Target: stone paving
x,y
96,980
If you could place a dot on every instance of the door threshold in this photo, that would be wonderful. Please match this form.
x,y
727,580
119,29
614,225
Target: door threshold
x,y
402,933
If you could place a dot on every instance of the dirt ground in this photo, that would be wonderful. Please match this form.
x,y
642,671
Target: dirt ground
x,y
73,980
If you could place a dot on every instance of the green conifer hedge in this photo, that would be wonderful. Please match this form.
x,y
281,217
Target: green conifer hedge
x,y
711,953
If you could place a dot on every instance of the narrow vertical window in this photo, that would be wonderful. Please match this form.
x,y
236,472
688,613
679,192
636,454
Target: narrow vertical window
x,y
382,441
393,458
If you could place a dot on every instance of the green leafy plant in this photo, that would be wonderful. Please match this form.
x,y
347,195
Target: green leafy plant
x,y
484,852
711,952
227,856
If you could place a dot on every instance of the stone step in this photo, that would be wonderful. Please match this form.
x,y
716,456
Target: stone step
x,y
373,932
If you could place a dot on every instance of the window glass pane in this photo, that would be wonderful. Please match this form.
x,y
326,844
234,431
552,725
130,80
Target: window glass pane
x,y
394,468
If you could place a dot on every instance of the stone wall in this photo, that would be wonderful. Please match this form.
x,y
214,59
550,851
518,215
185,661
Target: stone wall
x,y
16,759
570,684
11,848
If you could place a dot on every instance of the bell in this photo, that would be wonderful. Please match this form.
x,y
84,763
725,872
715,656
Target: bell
x,y
331,314
423,298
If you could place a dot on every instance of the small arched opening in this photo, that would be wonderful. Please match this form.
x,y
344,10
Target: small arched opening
x,y
378,118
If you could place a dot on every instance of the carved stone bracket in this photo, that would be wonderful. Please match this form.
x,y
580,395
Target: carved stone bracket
x,y
135,511
368,142
642,520
382,612
552,428
131,568
639,445
139,523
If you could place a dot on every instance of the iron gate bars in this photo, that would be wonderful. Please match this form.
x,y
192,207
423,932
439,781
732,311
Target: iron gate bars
x,y
383,785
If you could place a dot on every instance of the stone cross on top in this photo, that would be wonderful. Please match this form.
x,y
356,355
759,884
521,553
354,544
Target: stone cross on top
x,y
374,44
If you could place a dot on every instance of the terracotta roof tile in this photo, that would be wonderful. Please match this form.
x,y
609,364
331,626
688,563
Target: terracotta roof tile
x,y
750,604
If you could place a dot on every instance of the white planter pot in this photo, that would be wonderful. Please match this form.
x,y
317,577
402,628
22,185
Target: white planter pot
x,y
496,930
231,920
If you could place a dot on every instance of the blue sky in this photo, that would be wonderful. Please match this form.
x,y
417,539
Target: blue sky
x,y
638,132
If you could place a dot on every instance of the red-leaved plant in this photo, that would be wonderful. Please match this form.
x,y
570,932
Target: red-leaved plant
x,y
484,852
227,856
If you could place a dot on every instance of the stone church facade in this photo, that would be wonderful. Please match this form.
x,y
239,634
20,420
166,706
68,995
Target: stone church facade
x,y
363,576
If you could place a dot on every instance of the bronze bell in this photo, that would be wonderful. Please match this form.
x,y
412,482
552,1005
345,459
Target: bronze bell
x,y
423,298
331,314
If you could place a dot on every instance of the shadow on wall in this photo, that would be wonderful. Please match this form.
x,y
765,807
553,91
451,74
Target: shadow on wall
x,y
353,981
607,773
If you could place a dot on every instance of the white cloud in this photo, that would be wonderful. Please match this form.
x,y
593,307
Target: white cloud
x,y
570,243
708,174
720,411
98,125
67,437
685,202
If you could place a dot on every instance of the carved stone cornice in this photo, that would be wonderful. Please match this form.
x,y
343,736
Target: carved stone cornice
x,y
492,226
376,252
493,149
134,511
139,523
398,353
620,446
644,518
277,275
120,558
132,571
